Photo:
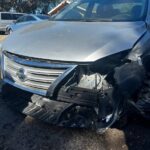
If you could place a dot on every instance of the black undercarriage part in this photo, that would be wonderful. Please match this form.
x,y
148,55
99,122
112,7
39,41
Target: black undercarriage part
x,y
143,102
60,113
129,78
133,82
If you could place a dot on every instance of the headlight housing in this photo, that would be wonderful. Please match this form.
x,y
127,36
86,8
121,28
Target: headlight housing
x,y
107,64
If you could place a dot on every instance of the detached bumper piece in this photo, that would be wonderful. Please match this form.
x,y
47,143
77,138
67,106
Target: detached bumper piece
x,y
56,112
59,113
53,112
79,96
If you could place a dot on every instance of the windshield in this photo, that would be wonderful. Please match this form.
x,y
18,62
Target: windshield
x,y
43,17
104,10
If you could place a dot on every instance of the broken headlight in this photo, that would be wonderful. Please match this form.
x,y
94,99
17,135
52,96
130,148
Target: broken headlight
x,y
107,64
96,74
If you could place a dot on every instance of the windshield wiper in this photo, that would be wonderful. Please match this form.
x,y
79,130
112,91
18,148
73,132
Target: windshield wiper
x,y
83,20
98,20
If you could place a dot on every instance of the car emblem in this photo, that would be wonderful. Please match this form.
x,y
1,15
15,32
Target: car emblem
x,y
21,75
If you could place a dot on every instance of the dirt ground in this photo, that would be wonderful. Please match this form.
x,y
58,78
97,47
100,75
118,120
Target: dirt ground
x,y
18,132
2,37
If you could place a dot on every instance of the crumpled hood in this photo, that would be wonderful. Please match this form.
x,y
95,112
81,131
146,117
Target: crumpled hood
x,y
74,41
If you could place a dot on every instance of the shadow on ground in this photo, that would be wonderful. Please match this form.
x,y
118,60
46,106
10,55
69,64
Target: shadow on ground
x,y
18,132
137,134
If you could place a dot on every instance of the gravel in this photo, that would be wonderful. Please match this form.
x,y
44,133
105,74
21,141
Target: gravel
x,y
2,37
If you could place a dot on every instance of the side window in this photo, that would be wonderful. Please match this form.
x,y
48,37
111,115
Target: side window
x,y
21,19
6,16
30,18
16,16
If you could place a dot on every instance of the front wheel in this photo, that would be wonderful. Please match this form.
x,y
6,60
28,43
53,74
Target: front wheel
x,y
9,31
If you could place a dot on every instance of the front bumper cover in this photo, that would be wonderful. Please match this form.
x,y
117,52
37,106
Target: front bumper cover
x,y
54,112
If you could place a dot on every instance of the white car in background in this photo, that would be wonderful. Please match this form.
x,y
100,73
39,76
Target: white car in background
x,y
25,20
7,18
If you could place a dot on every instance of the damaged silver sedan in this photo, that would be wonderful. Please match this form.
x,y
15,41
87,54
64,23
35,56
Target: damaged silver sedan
x,y
82,68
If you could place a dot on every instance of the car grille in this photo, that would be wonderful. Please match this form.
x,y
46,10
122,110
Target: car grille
x,y
33,76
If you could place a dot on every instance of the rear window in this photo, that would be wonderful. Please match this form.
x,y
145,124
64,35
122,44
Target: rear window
x,y
6,16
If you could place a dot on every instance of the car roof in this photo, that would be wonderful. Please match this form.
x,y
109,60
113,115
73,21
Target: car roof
x,y
35,15
11,12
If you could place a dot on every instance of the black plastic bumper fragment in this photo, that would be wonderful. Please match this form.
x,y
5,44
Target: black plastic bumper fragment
x,y
46,110
80,96
129,78
60,81
50,111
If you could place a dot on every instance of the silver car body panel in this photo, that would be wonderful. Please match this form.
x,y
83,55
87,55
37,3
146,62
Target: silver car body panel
x,y
74,41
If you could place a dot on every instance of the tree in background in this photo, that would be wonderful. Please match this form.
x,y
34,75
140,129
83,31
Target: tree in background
x,y
28,6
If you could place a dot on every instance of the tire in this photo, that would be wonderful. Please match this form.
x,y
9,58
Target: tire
x,y
10,31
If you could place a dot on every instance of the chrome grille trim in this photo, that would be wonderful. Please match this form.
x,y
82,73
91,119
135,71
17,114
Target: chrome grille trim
x,y
39,76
